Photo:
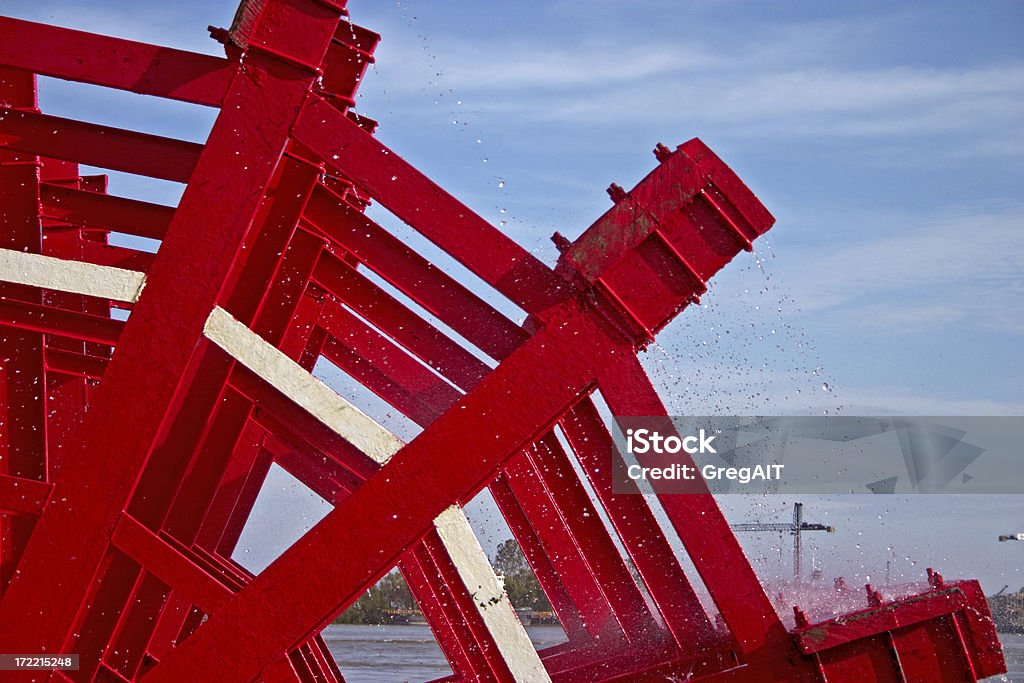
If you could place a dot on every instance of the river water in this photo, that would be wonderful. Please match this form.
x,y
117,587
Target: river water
x,y
393,654
1013,649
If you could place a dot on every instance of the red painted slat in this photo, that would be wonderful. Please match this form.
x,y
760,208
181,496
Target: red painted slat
x,y
89,143
413,275
633,520
21,496
23,439
169,564
701,526
114,62
423,205
71,324
108,212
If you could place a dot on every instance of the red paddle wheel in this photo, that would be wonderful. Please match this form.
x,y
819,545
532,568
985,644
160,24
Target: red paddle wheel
x,y
133,446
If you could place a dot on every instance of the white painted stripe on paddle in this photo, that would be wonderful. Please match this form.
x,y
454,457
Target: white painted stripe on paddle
x,y
489,596
292,380
75,277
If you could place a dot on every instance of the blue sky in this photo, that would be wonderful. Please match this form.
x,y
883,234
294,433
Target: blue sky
x,y
887,139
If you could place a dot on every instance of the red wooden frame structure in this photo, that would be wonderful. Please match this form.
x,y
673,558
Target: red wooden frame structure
x,y
132,450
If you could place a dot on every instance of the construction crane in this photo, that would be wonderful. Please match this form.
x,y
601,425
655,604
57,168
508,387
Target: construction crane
x,y
796,528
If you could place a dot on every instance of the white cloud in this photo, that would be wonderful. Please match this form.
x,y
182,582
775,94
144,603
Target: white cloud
x,y
715,386
886,103
789,80
536,69
172,25
881,400
967,266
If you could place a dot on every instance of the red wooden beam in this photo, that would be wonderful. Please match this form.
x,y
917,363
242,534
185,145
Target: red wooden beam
x,y
167,563
114,62
586,589
701,526
102,254
43,319
448,607
22,369
438,216
413,275
21,496
544,566
408,329
108,212
401,381
379,366
553,471
633,519
77,364
96,145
